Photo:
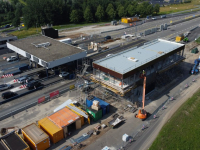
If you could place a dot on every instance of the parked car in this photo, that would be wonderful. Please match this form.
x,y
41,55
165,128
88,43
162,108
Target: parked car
x,y
42,74
33,85
163,16
23,79
63,74
29,80
153,18
11,58
7,26
8,94
5,86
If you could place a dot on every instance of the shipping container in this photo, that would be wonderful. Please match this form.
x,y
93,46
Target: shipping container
x,y
55,133
95,115
36,138
102,103
12,141
66,119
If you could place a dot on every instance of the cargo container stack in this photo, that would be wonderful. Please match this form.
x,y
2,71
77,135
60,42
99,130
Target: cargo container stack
x,y
103,105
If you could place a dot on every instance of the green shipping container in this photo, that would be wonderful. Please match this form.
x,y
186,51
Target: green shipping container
x,y
95,115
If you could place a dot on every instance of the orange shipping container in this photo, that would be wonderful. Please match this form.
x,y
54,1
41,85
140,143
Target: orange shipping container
x,y
65,118
35,137
55,133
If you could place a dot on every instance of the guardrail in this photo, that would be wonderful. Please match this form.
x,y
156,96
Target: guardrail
x,y
20,95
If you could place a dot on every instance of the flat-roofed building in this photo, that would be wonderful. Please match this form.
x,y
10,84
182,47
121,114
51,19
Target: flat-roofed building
x,y
121,72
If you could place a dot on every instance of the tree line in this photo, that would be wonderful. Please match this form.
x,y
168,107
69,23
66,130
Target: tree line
x,y
10,12
58,12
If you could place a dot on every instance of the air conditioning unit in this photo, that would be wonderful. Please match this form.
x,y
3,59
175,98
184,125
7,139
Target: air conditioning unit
x,y
133,59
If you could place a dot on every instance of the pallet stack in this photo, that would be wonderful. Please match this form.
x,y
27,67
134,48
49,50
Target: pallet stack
x,y
95,105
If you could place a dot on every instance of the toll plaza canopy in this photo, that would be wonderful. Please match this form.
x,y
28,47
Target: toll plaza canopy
x,y
124,64
46,51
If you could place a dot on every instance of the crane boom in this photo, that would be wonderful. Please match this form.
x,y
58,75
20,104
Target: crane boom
x,y
144,87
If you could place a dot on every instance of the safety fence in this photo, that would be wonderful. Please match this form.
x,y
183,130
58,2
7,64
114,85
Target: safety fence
x,y
157,114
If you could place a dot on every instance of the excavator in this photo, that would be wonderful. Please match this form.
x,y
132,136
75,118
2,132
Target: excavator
x,y
142,114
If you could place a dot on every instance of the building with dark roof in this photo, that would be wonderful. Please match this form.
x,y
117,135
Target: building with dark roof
x,y
13,141
46,51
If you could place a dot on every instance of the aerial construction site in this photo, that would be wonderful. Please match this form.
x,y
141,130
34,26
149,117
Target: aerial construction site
x,y
97,87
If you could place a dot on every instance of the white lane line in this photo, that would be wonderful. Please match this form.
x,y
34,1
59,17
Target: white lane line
x,y
16,89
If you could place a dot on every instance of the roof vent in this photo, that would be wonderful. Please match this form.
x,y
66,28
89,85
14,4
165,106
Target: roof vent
x,y
44,45
133,59
160,52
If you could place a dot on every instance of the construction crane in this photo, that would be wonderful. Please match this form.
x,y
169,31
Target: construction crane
x,y
142,114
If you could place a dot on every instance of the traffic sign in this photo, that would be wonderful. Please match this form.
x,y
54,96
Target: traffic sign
x,y
171,21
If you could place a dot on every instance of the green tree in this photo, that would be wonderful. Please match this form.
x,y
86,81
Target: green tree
x,y
10,15
121,11
141,10
157,8
110,11
149,10
75,16
16,21
88,15
14,1
131,10
99,13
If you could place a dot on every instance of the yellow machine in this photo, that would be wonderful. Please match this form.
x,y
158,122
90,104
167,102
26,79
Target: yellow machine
x,y
179,38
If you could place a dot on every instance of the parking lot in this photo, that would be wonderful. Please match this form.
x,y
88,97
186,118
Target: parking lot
x,y
12,80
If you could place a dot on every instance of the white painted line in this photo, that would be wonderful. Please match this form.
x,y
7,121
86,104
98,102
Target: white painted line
x,y
16,89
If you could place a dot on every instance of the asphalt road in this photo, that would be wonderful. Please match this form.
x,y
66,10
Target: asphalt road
x,y
194,34
140,28
171,32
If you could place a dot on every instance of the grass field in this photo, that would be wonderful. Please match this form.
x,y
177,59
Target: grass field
x,y
179,7
25,33
182,131
32,31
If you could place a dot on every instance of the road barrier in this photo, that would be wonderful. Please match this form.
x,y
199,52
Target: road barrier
x,y
46,99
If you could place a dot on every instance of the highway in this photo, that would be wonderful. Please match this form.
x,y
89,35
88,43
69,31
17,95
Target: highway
x,y
166,34
140,28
